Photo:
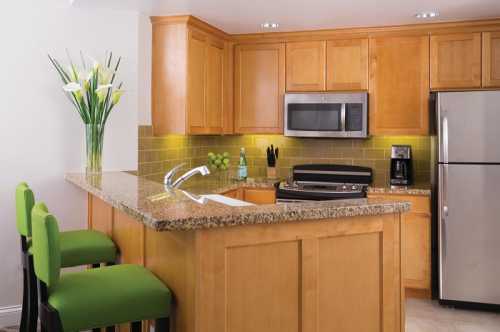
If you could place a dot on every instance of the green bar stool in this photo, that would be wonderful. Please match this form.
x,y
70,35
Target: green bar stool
x,y
82,247
93,298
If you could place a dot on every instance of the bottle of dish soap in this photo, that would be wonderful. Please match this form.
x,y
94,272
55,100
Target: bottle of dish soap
x,y
242,166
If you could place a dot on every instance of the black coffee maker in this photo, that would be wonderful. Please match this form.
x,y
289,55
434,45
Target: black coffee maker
x,y
401,166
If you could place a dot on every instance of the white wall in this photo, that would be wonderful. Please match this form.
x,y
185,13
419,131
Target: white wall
x,y
41,136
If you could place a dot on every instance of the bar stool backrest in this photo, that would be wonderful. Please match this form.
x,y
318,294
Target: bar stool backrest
x,y
24,203
46,246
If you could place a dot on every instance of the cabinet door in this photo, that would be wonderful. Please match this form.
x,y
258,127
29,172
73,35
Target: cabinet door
x,y
491,59
456,61
259,196
214,87
305,66
196,120
417,250
399,85
347,65
259,88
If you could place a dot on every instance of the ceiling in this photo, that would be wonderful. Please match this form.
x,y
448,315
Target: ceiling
x,y
238,16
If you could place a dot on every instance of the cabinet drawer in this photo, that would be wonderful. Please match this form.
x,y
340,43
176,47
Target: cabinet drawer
x,y
259,196
235,193
419,204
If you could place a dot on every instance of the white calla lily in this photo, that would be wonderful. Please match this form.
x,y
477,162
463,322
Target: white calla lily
x,y
102,90
116,96
72,87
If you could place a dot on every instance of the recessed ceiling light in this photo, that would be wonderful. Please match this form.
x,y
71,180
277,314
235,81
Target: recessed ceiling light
x,y
426,14
269,25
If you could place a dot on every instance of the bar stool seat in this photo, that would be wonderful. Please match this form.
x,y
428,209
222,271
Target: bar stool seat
x,y
84,247
108,296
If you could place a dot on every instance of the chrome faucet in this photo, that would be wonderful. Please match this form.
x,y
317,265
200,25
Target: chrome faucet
x,y
169,183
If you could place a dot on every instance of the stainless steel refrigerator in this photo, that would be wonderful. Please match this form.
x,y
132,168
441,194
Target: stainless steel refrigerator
x,y
467,176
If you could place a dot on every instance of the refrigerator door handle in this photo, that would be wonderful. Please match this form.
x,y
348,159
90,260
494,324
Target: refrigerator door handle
x,y
444,136
442,216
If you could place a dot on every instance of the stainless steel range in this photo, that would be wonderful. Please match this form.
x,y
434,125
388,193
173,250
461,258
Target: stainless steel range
x,y
322,182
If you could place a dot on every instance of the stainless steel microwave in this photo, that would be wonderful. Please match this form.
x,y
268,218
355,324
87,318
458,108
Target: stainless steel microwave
x,y
326,115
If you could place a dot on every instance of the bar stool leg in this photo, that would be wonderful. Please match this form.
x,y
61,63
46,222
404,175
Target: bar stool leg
x,y
135,327
32,295
162,325
25,308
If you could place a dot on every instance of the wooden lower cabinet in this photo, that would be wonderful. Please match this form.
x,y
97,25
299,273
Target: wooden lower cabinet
x,y
416,251
253,195
322,275
235,193
259,196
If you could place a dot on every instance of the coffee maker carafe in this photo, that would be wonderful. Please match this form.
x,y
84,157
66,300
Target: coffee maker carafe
x,y
401,166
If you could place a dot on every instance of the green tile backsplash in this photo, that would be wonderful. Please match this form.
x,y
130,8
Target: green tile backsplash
x,y
158,154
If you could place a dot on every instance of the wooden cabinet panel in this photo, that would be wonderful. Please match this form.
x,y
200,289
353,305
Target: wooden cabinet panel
x,y
197,77
235,193
259,196
100,215
417,253
353,285
305,66
456,61
317,276
416,239
491,59
347,65
192,84
168,81
205,84
399,85
214,86
259,88
263,287
128,234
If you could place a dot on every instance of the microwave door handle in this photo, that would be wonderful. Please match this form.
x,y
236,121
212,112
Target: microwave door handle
x,y
342,117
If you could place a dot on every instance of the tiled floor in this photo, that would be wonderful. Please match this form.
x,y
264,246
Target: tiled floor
x,y
428,316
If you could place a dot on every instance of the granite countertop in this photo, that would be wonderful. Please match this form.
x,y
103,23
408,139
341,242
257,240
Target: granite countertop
x,y
148,202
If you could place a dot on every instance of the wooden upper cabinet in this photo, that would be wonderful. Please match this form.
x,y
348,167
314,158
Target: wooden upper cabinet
x,y
491,59
305,66
399,85
197,82
259,88
456,61
347,65
191,79
205,87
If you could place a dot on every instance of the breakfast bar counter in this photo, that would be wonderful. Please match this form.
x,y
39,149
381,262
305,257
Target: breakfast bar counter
x,y
316,266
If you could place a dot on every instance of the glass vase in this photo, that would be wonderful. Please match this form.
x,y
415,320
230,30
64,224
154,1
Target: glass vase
x,y
94,137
